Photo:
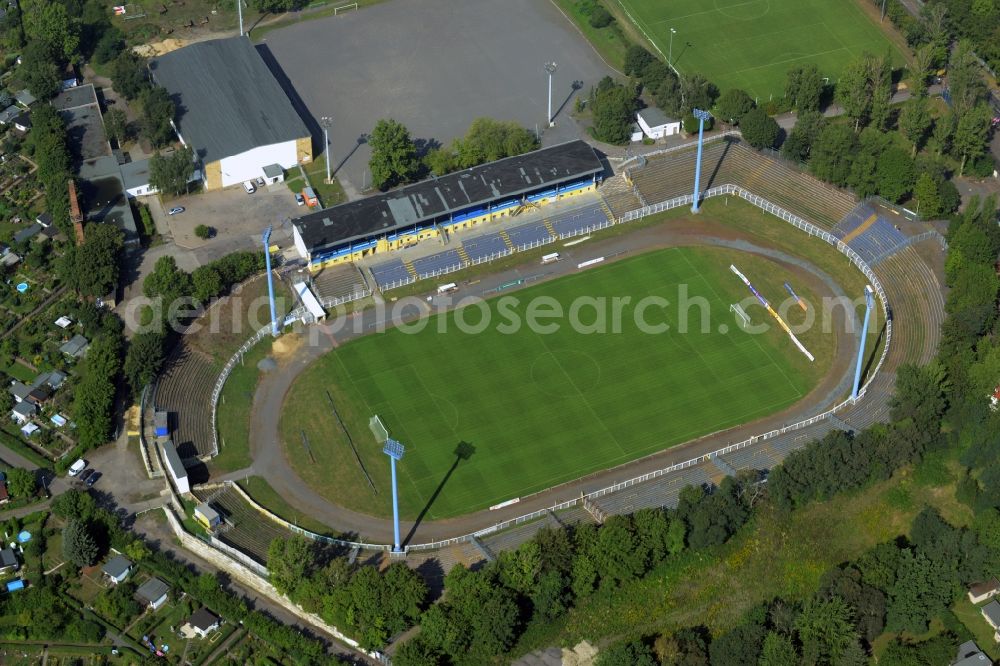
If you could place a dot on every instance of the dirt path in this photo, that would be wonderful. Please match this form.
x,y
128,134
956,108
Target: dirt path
x,y
270,462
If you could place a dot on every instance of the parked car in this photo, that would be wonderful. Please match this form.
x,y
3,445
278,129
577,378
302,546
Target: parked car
x,y
260,182
248,186
299,200
93,479
77,467
176,210
86,474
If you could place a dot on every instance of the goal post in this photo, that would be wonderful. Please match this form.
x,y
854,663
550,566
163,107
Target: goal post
x,y
344,8
741,315
378,429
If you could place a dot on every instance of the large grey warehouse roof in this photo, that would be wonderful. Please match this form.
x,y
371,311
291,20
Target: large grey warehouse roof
x,y
454,192
227,99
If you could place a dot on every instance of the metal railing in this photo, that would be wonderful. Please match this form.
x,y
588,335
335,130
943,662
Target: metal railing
x,y
721,190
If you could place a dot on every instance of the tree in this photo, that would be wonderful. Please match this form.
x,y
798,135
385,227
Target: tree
x,y
116,125
895,174
965,81
171,172
636,60
93,399
778,650
825,630
277,6
117,603
944,131
880,89
697,92
733,105
798,146
79,546
38,71
613,106
21,482
109,46
487,140
630,653
853,92
599,16
915,121
143,359
925,191
394,155
288,561
923,58
759,129
206,283
157,116
92,268
128,71
50,24
972,133
804,88
203,231
833,152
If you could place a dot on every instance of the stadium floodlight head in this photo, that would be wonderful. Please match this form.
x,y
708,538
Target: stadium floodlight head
x,y
550,67
869,302
266,239
394,450
702,116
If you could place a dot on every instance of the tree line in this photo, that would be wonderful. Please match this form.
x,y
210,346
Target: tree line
x,y
397,159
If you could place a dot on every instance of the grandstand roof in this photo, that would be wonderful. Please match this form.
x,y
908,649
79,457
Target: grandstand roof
x,y
457,191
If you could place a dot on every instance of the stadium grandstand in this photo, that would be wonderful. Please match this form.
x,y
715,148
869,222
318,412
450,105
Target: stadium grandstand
x,y
437,206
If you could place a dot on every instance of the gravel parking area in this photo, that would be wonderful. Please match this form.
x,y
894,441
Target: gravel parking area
x,y
237,217
434,65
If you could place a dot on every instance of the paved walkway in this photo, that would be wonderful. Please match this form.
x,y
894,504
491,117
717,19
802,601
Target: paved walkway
x,y
269,460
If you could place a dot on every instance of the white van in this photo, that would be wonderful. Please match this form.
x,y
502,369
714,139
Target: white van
x,y
550,258
447,288
77,467
248,186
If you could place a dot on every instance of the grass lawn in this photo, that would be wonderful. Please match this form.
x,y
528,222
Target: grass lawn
x,y
540,408
234,411
329,194
972,617
751,44
261,492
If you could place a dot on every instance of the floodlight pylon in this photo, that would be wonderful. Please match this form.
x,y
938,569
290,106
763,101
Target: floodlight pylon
x,y
266,238
869,293
395,451
702,116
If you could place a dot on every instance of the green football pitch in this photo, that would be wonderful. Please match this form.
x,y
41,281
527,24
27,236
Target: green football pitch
x,y
751,44
540,408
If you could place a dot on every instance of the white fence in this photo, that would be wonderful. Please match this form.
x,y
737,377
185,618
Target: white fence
x,y
645,211
766,206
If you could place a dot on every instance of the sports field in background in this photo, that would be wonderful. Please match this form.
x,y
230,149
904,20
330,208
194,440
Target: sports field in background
x,y
540,409
751,44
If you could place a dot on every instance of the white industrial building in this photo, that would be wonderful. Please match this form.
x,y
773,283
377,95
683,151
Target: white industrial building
x,y
655,124
232,111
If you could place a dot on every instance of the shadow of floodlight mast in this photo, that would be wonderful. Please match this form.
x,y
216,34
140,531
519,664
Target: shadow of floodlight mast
x,y
463,451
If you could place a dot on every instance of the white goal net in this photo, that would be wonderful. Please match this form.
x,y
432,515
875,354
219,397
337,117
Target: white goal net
x,y
378,429
741,316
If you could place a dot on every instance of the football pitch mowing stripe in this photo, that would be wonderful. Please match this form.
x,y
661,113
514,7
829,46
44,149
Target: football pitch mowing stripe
x,y
751,44
540,408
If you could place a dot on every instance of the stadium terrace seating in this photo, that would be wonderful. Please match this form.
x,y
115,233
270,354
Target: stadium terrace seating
x,y
532,232
481,247
575,222
251,531
185,389
877,241
437,262
672,174
854,219
340,281
618,196
390,271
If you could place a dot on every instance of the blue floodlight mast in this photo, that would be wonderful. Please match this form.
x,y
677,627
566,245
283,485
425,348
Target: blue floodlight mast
x,y
864,337
270,283
394,450
702,116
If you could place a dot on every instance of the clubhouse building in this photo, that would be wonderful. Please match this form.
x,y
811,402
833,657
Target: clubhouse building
x,y
454,202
